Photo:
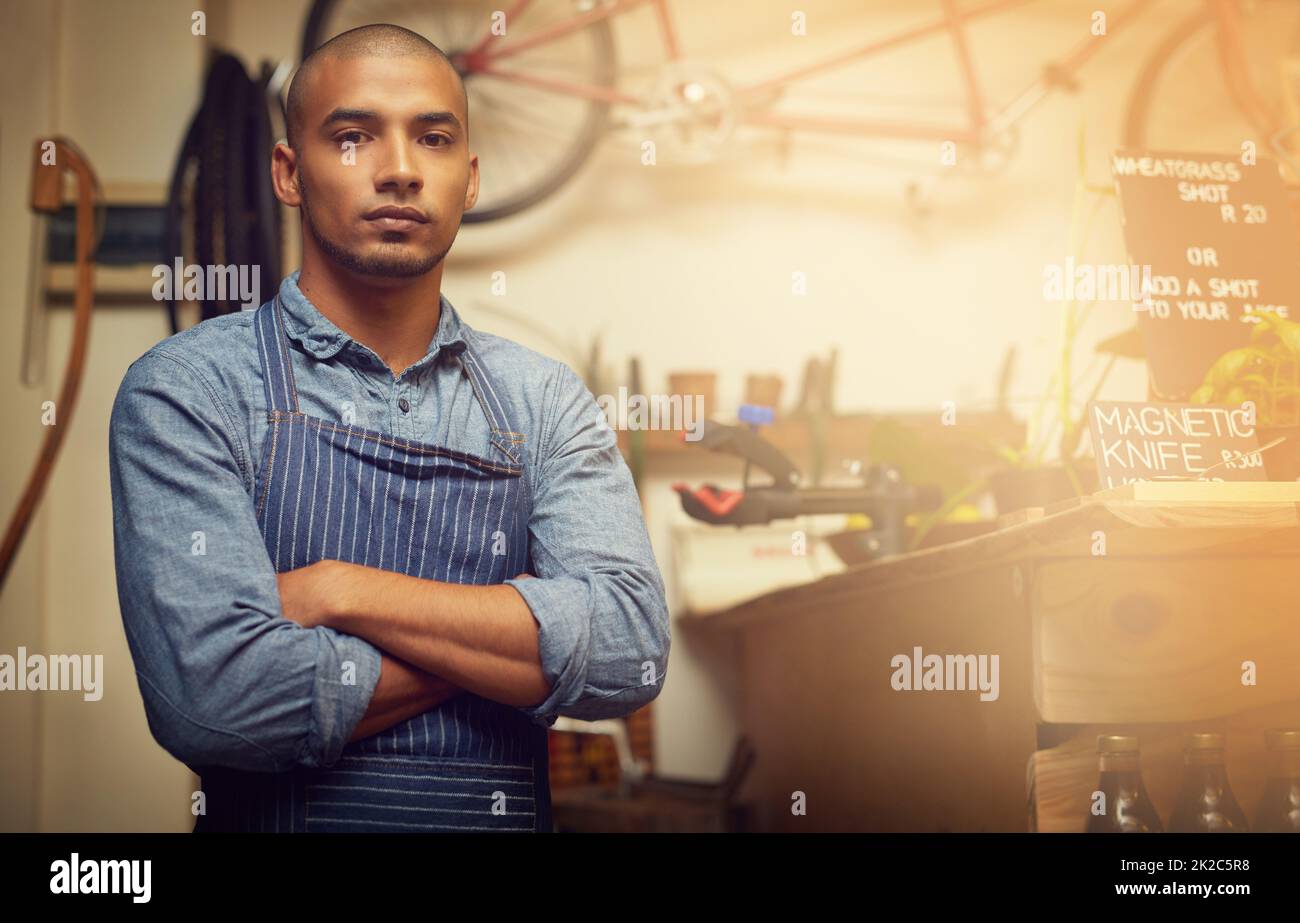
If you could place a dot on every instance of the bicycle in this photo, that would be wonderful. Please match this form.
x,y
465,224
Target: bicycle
x,y
696,109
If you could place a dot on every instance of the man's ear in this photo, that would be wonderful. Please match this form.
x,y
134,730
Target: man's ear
x,y
284,175
471,188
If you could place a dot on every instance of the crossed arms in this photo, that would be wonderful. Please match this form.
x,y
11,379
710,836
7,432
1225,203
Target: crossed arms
x,y
439,638
244,668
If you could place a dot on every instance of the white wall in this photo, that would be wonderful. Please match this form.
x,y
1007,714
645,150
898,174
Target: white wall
x,y
26,64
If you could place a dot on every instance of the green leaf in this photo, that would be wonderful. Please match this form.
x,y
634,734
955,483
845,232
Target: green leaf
x,y
1286,331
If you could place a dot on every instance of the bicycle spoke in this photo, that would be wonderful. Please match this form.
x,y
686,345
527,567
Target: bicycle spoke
x,y
506,105
475,27
509,154
525,63
508,158
529,139
547,129
1214,119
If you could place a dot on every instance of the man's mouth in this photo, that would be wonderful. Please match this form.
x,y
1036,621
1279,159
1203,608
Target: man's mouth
x,y
392,218
395,224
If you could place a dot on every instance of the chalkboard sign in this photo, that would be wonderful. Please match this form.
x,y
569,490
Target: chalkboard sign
x,y
1215,238
1135,441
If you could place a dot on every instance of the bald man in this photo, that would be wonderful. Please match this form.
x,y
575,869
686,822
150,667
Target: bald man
x,y
366,553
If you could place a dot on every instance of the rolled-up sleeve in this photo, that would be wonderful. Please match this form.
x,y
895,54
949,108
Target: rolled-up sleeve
x,y
226,680
598,596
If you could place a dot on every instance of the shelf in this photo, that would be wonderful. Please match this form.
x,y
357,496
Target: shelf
x,y
848,436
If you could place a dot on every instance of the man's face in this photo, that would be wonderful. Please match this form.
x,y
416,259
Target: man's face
x,y
400,156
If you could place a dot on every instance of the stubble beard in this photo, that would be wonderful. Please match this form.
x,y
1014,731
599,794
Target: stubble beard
x,y
390,263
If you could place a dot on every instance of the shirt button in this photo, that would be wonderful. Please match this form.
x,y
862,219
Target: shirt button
x,y
404,404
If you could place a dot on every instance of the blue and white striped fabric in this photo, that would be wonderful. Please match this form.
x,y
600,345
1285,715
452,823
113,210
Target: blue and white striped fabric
x,y
332,490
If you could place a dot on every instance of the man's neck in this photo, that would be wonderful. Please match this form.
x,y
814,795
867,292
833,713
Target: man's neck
x,y
395,318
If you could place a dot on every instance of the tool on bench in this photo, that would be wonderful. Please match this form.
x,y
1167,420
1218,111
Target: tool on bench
x,y
883,495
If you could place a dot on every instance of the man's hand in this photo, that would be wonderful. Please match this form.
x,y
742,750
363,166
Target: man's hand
x,y
311,595
315,594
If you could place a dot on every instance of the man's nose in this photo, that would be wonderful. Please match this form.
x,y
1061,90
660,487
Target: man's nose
x,y
399,168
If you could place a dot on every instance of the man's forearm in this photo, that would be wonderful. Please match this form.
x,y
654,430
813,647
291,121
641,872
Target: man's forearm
x,y
481,638
402,692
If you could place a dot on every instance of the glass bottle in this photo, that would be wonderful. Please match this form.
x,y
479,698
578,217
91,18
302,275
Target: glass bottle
x,y
1126,806
1279,807
1205,800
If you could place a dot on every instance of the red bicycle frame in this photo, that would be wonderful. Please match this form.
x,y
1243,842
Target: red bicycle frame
x,y
483,57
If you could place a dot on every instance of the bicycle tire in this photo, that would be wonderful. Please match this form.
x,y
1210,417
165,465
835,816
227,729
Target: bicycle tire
x,y
1246,52
585,141
1142,95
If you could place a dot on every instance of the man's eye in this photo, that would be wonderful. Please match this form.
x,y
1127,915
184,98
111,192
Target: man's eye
x,y
348,134
443,138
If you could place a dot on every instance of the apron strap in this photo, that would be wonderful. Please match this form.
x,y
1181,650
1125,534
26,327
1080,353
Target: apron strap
x,y
505,435
273,349
282,391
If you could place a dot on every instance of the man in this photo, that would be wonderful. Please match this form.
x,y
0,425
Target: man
x,y
366,554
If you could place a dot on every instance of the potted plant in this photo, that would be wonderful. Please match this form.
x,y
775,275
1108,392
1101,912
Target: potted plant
x,y
1265,372
1030,479
1028,476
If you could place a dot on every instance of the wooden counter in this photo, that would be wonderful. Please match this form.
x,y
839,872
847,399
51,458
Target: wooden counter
x,y
1131,611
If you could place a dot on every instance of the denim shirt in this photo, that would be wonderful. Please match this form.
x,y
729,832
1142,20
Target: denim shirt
x,y
226,680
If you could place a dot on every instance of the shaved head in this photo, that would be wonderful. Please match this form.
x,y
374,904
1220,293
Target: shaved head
x,y
378,41
377,158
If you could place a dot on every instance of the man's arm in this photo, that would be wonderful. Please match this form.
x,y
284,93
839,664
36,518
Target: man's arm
x,y
481,638
403,692
589,638
225,679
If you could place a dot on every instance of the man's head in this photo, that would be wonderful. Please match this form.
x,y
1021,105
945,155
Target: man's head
x,y
377,118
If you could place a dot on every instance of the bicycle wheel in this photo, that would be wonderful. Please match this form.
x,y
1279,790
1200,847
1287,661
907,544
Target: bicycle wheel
x,y
530,140
1186,98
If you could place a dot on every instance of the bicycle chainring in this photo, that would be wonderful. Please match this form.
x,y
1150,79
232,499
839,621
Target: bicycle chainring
x,y
691,111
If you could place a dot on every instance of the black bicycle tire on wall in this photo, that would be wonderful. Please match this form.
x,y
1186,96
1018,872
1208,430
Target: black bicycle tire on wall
x,y
580,151
1141,96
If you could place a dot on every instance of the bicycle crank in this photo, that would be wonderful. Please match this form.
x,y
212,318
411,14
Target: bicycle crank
x,y
690,112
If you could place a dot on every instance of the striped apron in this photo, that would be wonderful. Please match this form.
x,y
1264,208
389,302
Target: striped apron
x,y
328,490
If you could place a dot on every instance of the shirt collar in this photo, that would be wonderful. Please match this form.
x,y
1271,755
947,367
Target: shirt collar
x,y
320,337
